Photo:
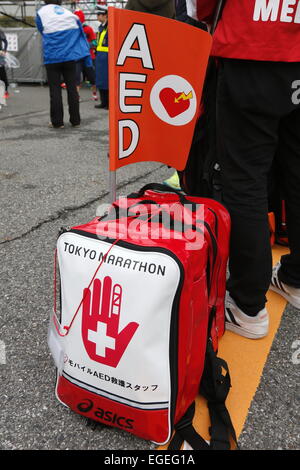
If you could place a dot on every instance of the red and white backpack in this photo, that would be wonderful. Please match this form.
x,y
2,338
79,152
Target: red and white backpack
x,y
142,307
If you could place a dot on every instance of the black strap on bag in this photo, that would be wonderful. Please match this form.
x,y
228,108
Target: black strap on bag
x,y
184,431
217,15
214,387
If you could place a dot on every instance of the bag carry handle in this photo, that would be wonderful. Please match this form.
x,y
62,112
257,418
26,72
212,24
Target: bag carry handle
x,y
163,189
158,187
162,211
215,269
153,186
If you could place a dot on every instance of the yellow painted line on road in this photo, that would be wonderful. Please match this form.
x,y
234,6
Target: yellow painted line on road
x,y
246,359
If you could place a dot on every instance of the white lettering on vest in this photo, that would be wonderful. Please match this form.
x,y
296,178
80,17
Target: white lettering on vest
x,y
266,10
286,11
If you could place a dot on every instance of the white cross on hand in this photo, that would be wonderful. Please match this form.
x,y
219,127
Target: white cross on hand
x,y
101,339
104,341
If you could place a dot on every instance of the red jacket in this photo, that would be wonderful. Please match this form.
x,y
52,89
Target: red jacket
x,y
91,39
254,29
89,33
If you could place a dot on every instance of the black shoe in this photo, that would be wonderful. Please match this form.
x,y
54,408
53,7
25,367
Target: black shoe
x,y
101,106
55,127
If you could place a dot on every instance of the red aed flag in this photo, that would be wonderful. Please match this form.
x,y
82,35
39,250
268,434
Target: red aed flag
x,y
156,73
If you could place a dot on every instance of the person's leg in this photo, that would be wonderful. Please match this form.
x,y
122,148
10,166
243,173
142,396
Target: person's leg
x,y
69,74
56,103
94,93
104,98
247,126
89,72
102,79
289,154
97,64
3,77
79,71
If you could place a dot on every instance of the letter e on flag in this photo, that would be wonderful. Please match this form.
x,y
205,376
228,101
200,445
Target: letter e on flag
x,y
156,72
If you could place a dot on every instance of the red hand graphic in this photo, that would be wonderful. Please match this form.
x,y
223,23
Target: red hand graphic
x,y
100,323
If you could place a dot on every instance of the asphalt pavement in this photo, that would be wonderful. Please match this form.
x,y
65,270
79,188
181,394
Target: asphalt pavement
x,y
59,177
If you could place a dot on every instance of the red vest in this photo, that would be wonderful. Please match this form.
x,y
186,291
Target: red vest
x,y
255,29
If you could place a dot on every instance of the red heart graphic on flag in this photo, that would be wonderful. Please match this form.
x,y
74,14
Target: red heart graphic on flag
x,y
173,102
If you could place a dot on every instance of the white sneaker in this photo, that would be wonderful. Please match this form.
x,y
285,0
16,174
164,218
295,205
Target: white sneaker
x,y
244,325
291,294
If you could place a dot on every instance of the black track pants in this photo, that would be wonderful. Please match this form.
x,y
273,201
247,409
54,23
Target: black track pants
x,y
55,72
258,117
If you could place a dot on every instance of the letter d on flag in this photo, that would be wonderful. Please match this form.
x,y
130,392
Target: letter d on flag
x,y
156,72
132,126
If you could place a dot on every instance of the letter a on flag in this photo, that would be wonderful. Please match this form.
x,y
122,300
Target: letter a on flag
x,y
156,72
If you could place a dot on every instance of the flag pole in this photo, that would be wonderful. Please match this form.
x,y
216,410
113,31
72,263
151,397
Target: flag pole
x,y
112,186
112,105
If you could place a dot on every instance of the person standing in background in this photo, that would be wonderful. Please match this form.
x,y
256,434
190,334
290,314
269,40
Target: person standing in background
x,y
85,67
64,43
3,49
258,119
101,62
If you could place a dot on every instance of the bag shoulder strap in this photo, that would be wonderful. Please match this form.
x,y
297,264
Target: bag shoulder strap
x,y
217,15
215,388
185,431
215,385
